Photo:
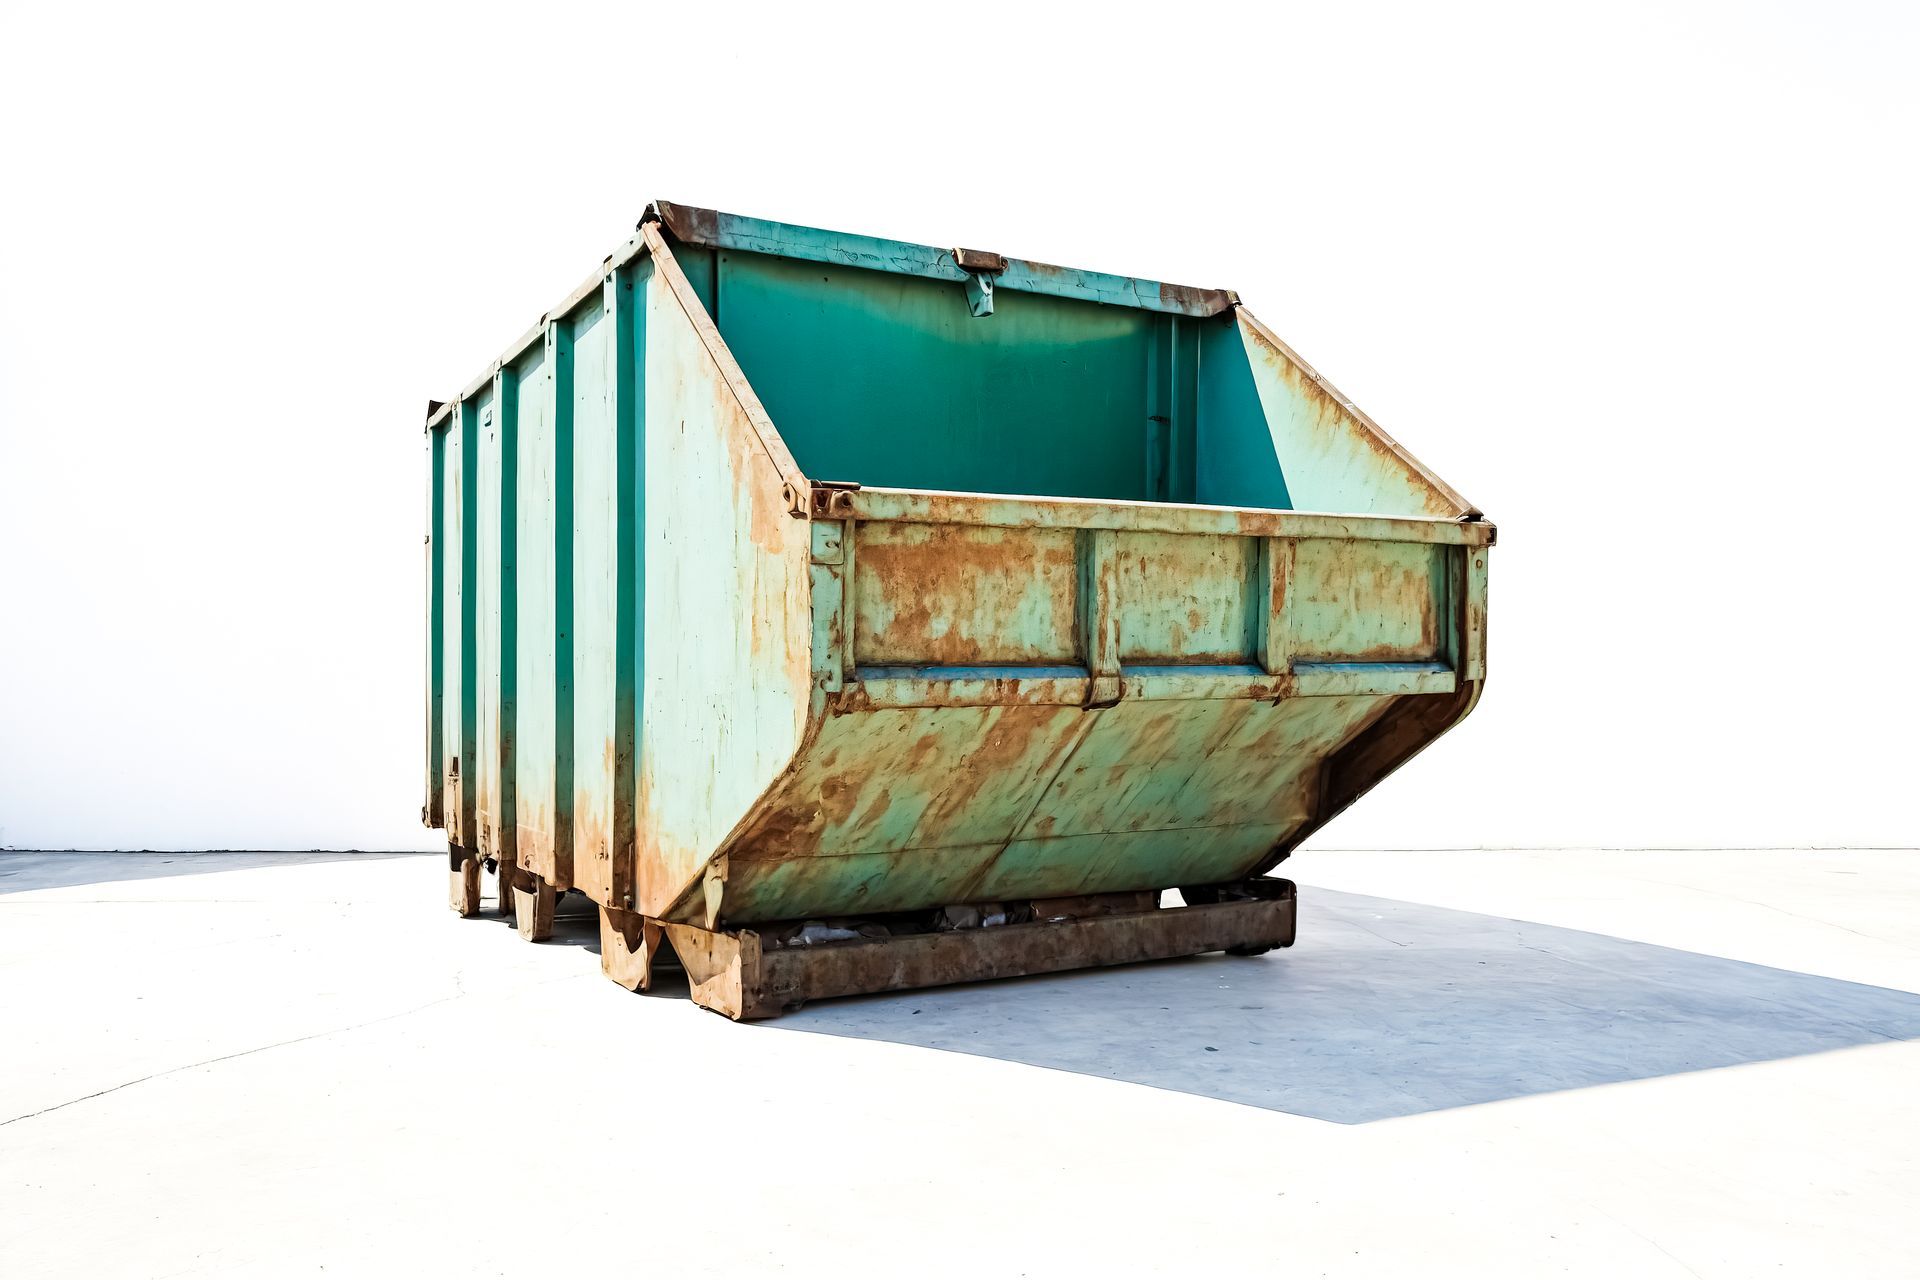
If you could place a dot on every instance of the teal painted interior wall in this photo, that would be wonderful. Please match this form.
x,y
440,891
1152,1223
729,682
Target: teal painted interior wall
x,y
1234,454
889,380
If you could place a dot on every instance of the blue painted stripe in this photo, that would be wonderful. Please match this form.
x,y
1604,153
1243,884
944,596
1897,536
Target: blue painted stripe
x,y
1371,668
972,673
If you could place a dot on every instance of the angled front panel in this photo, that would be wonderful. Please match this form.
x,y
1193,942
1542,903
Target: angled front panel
x,y
728,628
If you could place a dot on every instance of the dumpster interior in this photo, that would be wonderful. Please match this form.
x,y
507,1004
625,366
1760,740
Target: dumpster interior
x,y
888,380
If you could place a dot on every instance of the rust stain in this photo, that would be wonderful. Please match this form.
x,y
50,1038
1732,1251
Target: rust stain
x,y
838,796
1188,298
533,834
592,849
768,525
1046,270
956,596
925,750
977,260
758,486
655,880
790,820
875,813
1368,602
685,222
965,769
1001,755
1186,597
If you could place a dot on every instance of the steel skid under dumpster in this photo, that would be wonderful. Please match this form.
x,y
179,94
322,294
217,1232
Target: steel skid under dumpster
x,y
847,614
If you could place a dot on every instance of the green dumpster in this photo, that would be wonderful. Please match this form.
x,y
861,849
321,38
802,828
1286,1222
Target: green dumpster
x,y
845,614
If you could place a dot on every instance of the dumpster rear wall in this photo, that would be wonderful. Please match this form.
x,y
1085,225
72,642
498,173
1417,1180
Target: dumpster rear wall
x,y
889,380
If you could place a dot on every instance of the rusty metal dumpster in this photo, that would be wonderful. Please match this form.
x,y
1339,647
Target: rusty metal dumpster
x,y
844,614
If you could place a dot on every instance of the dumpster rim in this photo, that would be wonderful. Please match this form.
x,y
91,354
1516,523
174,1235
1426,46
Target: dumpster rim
x,y
717,229
1037,511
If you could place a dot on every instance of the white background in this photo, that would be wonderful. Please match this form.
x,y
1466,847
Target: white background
x,y
1640,280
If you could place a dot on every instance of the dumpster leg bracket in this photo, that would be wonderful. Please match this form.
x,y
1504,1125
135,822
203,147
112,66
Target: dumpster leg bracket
x,y
628,943
463,881
730,972
533,902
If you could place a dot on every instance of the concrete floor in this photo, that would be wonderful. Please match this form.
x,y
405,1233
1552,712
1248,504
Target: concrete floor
x,y
1680,1064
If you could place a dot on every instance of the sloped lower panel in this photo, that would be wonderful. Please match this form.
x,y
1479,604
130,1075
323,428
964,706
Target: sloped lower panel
x,y
918,807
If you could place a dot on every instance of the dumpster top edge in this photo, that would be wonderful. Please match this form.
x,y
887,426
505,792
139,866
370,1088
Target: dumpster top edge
x,y
710,227
1033,511
635,246
715,229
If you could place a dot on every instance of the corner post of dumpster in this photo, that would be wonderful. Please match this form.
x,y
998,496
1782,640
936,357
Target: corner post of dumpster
x,y
830,509
827,581
1471,583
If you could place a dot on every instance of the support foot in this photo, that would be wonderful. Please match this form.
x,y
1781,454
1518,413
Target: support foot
x,y
533,901
628,943
463,882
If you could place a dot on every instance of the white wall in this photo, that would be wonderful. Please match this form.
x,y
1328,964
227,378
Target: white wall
x,y
1641,280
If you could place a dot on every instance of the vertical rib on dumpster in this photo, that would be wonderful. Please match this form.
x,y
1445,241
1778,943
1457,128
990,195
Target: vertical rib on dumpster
x,y
542,839
506,396
493,615
457,508
604,546
596,564
433,813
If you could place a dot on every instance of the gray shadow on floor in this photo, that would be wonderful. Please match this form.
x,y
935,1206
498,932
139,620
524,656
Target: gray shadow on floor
x,y
26,869
1386,1008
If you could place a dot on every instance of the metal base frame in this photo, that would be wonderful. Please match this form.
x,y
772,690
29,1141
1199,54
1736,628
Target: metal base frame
x,y
739,973
731,972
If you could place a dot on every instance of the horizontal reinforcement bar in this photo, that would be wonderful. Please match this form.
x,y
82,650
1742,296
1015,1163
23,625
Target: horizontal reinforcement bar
x,y
875,688
1008,511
